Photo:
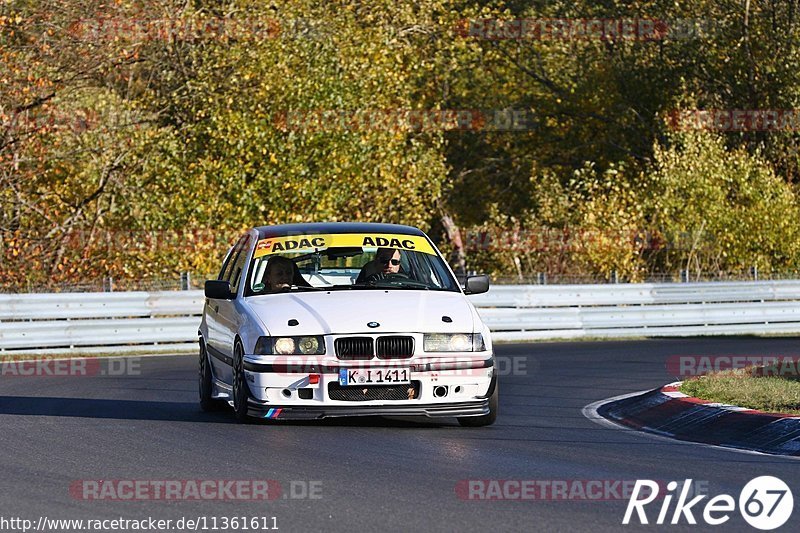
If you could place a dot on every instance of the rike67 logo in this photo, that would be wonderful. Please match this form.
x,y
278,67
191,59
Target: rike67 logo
x,y
765,503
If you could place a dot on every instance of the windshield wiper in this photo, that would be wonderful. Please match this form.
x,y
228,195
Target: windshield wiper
x,y
290,288
306,288
400,284
372,287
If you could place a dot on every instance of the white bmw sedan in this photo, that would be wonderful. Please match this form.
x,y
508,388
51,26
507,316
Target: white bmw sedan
x,y
344,319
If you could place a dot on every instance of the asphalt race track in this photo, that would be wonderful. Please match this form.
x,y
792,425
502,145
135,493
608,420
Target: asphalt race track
x,y
369,474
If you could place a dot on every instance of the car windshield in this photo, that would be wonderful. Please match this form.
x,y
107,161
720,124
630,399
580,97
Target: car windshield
x,y
347,262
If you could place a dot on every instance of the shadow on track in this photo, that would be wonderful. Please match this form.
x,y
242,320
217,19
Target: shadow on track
x,y
173,412
115,409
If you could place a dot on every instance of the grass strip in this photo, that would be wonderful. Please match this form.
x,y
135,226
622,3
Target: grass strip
x,y
751,388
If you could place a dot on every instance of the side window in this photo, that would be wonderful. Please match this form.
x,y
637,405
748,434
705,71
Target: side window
x,y
238,265
257,275
230,260
226,263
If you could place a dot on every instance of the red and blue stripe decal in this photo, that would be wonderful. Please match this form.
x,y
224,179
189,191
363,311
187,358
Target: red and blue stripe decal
x,y
273,413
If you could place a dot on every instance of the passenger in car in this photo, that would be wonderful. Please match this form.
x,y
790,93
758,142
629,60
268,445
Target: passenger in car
x,y
282,273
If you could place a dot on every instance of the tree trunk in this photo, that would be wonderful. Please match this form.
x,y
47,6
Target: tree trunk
x,y
458,259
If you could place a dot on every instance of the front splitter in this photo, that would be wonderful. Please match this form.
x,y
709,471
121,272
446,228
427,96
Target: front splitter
x,y
439,410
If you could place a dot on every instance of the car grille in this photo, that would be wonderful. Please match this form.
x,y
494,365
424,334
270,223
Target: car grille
x,y
395,347
354,348
374,392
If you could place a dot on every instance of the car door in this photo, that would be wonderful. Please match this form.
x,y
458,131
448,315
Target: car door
x,y
229,315
219,315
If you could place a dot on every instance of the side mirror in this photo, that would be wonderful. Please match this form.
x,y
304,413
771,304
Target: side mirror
x,y
477,284
218,290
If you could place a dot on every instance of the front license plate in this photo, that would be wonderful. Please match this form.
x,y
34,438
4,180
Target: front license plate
x,y
373,376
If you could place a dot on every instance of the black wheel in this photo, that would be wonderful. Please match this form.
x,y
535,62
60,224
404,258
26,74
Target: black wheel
x,y
483,420
240,393
207,403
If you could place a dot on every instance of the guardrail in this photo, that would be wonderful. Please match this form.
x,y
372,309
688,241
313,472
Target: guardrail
x,y
167,321
99,322
532,312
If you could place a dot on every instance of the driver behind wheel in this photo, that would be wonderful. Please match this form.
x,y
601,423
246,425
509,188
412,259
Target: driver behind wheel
x,y
386,263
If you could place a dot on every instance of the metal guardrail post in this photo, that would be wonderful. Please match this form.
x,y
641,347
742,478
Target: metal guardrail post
x,y
186,281
685,276
108,284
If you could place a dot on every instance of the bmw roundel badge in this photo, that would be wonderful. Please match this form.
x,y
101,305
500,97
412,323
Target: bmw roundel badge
x,y
373,324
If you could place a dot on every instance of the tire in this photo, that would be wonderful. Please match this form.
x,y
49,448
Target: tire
x,y
240,391
207,403
483,420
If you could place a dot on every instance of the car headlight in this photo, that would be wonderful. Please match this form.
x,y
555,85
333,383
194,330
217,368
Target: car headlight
x,y
453,342
311,345
285,345
263,346
308,345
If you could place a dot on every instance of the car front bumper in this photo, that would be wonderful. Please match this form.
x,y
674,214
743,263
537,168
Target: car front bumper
x,y
306,389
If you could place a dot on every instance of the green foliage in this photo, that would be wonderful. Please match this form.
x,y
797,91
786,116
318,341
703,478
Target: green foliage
x,y
729,207
188,121
249,139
